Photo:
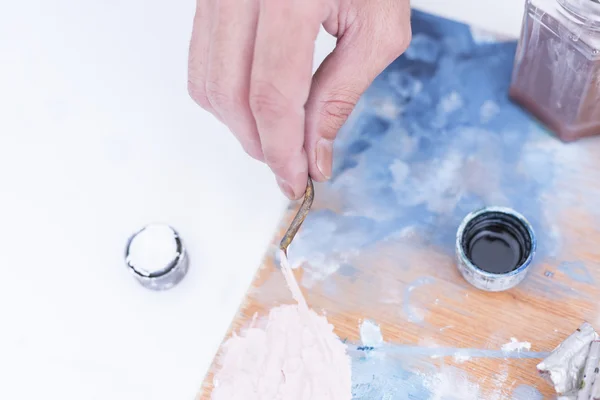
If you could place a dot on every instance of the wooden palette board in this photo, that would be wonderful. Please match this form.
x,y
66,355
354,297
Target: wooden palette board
x,y
434,138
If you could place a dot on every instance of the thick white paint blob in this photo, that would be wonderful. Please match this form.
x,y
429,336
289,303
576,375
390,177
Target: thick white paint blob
x,y
515,345
297,357
153,249
370,334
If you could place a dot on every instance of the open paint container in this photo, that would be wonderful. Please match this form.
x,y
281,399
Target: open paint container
x,y
495,247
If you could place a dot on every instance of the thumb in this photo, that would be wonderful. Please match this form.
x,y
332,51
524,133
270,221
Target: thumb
x,y
362,53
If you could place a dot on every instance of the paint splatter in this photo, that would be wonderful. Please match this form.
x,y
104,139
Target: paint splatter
x,y
488,111
525,392
576,271
370,334
387,378
499,379
461,356
452,383
410,311
400,372
515,345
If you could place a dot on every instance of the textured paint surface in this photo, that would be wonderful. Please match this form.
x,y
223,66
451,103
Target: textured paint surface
x,y
385,371
434,138
576,271
525,392
515,345
297,356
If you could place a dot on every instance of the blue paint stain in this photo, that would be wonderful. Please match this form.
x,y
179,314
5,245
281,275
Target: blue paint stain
x,y
407,307
386,378
525,392
403,351
442,157
576,271
423,48
372,126
388,372
358,147
439,156
348,271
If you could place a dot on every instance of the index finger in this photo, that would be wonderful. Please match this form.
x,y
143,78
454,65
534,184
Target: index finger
x,y
280,84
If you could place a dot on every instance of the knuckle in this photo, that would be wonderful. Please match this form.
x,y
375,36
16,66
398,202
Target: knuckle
x,y
198,94
267,101
278,158
276,161
335,112
221,98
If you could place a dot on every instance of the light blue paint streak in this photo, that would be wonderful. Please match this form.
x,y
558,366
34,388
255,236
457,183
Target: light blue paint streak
x,y
386,379
407,307
576,271
525,392
436,352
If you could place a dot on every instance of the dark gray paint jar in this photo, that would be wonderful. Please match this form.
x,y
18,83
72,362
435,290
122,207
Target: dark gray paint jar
x,y
495,247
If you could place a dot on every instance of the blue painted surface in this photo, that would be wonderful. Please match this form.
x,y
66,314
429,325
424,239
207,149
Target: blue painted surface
x,y
386,378
524,392
434,138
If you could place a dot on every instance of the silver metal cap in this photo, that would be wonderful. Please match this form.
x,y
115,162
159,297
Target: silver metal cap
x,y
156,257
490,223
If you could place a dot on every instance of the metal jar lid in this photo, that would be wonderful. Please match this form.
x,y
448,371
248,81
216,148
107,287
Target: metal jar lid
x,y
156,257
495,247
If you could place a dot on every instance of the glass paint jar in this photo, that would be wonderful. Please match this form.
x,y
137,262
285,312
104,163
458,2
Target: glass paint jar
x,y
556,75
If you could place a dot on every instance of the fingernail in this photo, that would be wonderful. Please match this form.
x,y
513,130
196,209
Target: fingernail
x,y
325,157
286,188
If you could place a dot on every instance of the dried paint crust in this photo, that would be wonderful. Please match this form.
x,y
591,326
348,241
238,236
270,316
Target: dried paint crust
x,y
564,367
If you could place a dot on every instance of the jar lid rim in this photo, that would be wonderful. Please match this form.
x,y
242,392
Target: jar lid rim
x,y
586,12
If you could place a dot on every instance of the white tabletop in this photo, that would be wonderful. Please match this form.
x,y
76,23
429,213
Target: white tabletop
x,y
97,138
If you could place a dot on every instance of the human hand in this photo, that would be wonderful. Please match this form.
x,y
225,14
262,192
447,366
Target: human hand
x,y
251,66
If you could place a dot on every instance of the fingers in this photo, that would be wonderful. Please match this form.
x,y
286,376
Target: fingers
x,y
280,84
250,65
375,38
230,62
198,58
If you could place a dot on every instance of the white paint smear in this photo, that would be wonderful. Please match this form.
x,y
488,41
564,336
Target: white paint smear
x,y
515,345
452,383
370,334
297,357
461,357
